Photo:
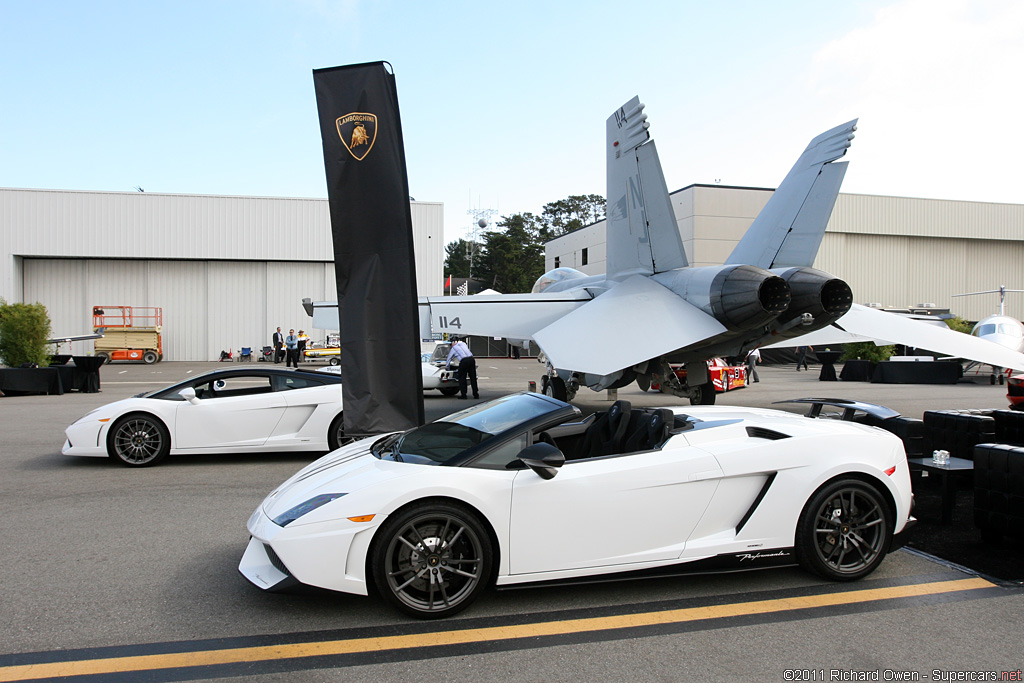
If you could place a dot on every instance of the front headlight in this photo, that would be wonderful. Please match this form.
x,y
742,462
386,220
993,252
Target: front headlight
x,y
289,516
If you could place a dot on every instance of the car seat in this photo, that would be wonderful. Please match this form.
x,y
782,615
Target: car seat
x,y
605,436
650,432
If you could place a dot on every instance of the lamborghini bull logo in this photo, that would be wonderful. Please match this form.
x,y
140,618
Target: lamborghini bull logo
x,y
358,132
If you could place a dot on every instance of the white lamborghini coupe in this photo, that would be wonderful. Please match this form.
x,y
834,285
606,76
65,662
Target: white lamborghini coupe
x,y
521,489
238,410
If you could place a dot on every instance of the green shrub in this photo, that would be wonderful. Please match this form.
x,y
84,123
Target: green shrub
x,y
867,351
24,329
959,324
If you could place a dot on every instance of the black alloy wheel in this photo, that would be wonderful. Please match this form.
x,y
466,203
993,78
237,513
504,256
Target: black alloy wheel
x,y
845,530
432,561
138,441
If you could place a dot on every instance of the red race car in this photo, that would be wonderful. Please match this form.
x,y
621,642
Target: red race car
x,y
723,375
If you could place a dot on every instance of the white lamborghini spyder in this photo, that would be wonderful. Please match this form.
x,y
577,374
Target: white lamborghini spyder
x,y
521,489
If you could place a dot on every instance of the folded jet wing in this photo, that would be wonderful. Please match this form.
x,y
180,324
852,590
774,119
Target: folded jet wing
x,y
868,324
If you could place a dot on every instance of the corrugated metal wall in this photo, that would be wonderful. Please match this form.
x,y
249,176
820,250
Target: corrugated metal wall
x,y
208,306
896,251
226,270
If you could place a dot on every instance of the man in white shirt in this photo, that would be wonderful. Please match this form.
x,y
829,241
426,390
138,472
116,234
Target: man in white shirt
x,y
467,366
753,358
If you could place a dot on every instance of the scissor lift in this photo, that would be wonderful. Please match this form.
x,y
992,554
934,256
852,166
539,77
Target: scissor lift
x,y
129,333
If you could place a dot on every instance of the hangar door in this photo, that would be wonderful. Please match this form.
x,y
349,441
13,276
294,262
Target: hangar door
x,y
208,306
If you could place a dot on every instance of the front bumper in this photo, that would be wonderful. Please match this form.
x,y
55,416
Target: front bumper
x,y
329,555
85,438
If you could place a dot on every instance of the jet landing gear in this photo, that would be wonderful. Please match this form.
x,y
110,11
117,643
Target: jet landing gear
x,y
698,386
555,387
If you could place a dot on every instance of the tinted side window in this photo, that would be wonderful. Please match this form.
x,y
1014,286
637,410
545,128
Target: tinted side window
x,y
298,382
500,457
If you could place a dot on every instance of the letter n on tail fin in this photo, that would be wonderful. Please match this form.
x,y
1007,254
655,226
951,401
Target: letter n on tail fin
x,y
789,229
643,237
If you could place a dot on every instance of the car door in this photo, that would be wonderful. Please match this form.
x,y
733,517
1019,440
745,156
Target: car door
x,y
610,511
238,411
312,403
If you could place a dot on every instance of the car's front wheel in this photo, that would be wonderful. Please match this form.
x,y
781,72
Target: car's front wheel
x,y
844,531
138,441
431,561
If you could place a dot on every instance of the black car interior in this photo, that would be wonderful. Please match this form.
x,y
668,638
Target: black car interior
x,y
619,430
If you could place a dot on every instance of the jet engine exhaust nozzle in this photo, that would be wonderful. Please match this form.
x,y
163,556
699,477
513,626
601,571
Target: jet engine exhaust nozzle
x,y
746,296
824,296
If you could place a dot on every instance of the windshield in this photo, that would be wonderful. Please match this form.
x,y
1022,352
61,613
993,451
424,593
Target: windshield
x,y
439,442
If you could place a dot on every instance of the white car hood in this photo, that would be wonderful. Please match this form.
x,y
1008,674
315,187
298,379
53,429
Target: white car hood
x,y
346,470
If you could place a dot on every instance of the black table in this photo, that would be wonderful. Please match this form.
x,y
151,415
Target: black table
x,y
956,467
87,373
23,381
857,371
828,368
917,372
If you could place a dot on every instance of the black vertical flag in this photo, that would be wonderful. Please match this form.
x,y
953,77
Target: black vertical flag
x,y
368,192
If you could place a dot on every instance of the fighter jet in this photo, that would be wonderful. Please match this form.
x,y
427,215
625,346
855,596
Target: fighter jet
x,y
652,309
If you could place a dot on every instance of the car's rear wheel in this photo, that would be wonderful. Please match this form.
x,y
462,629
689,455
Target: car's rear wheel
x,y
138,441
150,357
336,433
432,561
844,531
450,391
334,360
104,357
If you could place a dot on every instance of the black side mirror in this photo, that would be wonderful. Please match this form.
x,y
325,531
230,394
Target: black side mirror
x,y
542,458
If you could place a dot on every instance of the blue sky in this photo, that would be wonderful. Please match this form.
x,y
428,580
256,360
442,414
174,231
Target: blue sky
x,y
503,105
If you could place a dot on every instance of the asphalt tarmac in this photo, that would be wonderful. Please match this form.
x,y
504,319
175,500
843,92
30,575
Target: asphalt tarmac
x,y
111,573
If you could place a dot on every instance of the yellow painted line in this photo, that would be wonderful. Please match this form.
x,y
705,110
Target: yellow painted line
x,y
552,628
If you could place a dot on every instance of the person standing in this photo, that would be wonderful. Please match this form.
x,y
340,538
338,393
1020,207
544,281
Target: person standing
x,y
303,340
801,356
291,344
278,344
467,366
753,358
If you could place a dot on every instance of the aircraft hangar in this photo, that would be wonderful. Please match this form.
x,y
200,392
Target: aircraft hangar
x,y
226,270
893,251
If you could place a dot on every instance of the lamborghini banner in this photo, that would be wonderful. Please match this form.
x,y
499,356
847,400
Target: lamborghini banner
x,y
368,192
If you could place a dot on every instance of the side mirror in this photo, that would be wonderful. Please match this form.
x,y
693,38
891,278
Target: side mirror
x,y
542,458
189,394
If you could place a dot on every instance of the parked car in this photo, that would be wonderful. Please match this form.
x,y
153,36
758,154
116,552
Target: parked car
x,y
722,374
250,409
522,489
435,376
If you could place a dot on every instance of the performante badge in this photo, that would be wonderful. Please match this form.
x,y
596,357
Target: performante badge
x,y
358,132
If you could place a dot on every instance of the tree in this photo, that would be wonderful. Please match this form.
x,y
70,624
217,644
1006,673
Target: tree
x,y
512,257
456,263
24,329
572,213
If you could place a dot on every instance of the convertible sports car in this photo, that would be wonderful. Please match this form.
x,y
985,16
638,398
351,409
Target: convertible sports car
x,y
521,489
232,410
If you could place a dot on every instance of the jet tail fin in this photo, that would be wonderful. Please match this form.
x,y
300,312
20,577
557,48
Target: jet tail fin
x,y
789,229
643,237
